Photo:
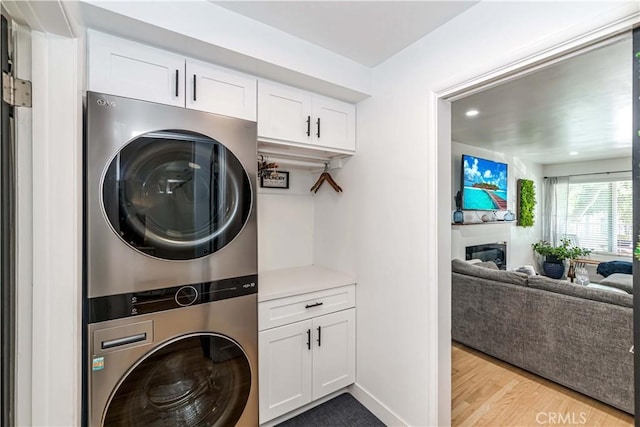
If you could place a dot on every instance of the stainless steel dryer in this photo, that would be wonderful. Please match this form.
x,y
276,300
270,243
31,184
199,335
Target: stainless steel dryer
x,y
169,196
170,365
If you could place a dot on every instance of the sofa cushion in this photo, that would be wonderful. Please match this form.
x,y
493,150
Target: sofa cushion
x,y
579,291
620,281
462,267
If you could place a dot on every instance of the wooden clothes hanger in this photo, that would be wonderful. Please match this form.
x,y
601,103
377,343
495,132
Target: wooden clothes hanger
x,y
325,176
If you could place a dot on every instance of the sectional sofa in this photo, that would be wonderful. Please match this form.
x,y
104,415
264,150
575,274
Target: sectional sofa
x,y
577,336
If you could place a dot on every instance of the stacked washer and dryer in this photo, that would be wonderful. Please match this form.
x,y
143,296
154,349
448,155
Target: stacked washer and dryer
x,y
170,266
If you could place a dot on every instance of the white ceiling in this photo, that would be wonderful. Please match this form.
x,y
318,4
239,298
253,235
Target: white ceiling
x,y
580,105
367,32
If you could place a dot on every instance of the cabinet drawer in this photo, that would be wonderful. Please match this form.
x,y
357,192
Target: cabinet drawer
x,y
282,311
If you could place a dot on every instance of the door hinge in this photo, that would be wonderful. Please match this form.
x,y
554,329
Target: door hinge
x,y
16,92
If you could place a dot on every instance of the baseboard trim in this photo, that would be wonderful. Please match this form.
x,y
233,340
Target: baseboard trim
x,y
379,409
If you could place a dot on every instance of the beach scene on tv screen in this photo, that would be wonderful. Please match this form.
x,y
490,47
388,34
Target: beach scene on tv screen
x,y
485,184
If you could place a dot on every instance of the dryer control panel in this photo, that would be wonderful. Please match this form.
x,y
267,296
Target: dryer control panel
x,y
137,303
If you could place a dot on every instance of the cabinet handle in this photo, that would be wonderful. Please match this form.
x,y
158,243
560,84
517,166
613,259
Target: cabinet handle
x,y
309,339
177,77
319,335
194,87
308,125
318,122
313,305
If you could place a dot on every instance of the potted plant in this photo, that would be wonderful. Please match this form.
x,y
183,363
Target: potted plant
x,y
555,256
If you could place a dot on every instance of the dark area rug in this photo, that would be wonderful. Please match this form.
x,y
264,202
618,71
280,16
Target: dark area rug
x,y
341,411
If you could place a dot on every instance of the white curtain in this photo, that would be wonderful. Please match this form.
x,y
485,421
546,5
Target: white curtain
x,y
555,195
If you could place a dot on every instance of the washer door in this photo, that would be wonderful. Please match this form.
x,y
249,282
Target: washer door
x,y
197,380
176,195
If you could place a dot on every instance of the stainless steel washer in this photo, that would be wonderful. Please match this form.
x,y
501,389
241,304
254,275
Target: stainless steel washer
x,y
186,366
170,266
169,196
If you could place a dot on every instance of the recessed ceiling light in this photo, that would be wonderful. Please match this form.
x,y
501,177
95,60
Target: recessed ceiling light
x,y
573,153
471,113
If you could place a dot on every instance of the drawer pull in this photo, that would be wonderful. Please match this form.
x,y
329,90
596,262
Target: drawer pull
x,y
313,305
309,339
123,341
319,336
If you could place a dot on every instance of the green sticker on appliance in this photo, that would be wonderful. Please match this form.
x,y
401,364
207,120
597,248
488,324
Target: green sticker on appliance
x,y
98,364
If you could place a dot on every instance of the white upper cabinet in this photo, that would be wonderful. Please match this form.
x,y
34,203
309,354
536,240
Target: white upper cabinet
x,y
284,113
335,123
216,89
133,70
125,68
290,115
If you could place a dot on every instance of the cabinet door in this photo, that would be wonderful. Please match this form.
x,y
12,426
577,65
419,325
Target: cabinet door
x,y
284,113
334,352
219,90
285,369
125,68
334,123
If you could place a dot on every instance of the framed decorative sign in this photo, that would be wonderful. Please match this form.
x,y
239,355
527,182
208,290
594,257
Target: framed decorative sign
x,y
277,179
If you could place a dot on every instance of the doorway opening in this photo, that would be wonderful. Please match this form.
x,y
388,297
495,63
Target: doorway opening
x,y
527,131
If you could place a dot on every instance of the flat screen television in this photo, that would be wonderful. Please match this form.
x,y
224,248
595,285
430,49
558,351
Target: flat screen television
x,y
484,184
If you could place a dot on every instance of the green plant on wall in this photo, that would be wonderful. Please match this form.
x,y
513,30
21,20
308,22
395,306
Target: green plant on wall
x,y
526,202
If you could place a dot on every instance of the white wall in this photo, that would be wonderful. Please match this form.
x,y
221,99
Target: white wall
x,y
403,266
519,239
286,223
298,228
57,231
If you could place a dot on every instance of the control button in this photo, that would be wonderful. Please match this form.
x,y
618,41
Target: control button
x,y
186,296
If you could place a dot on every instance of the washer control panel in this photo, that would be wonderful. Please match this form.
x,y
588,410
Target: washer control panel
x,y
186,296
137,303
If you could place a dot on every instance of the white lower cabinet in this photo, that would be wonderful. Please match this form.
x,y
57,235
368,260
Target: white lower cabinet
x,y
304,361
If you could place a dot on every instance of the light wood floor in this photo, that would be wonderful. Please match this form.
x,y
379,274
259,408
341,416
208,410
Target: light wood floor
x,y
489,392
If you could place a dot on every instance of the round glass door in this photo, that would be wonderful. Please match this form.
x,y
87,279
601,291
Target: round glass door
x,y
176,195
198,380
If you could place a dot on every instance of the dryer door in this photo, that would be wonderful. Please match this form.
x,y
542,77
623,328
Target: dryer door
x,y
176,195
196,380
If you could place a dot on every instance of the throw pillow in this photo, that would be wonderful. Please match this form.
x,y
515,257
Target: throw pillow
x,y
526,269
620,281
462,267
487,264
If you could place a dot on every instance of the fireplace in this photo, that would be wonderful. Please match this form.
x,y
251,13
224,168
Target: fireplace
x,y
496,252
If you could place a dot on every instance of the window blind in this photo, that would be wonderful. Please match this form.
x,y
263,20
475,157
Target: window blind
x,y
598,215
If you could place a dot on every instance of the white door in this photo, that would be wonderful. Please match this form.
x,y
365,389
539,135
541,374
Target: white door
x,y
221,91
284,113
334,123
285,368
125,68
334,352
